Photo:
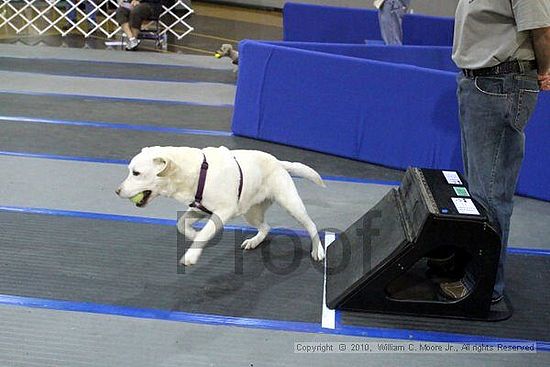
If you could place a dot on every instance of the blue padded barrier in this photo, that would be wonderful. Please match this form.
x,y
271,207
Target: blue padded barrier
x,y
428,30
432,57
394,115
534,179
330,24
346,106
314,23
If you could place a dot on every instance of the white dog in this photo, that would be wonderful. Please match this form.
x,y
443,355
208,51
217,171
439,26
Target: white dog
x,y
235,182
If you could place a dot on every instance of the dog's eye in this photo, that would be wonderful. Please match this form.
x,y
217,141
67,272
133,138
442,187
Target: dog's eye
x,y
136,173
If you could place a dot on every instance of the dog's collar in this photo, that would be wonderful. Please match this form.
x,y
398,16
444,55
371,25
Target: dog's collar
x,y
200,188
202,182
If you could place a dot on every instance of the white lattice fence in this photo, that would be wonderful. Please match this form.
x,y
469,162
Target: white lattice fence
x,y
42,16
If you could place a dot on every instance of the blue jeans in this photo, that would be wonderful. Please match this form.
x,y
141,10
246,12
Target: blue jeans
x,y
390,17
493,114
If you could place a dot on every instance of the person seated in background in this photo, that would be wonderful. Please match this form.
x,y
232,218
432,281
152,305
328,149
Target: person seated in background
x,y
390,17
131,14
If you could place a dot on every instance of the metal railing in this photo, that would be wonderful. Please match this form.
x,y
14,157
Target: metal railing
x,y
98,17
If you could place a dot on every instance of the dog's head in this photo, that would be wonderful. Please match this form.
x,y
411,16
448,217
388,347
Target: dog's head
x,y
147,176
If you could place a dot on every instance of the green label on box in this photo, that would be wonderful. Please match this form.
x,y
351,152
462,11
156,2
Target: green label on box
x,y
461,191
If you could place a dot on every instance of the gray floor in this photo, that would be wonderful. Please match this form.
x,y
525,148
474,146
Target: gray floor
x,y
197,93
336,207
30,52
34,337
116,111
56,338
117,70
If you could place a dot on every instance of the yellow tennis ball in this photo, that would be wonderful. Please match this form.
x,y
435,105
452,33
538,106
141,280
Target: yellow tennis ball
x,y
217,55
137,198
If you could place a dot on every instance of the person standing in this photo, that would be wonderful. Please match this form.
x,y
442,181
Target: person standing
x,y
503,49
390,17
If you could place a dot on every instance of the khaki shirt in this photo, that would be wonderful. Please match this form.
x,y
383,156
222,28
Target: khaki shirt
x,y
489,32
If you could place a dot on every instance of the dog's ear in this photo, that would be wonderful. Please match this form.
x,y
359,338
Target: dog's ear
x,y
164,166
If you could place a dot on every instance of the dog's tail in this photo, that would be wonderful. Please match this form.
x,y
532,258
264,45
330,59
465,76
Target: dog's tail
x,y
301,170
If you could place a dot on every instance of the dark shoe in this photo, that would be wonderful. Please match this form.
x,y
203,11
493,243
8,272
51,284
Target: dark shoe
x,y
496,300
454,290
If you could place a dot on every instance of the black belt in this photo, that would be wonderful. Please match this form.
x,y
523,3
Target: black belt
x,y
507,67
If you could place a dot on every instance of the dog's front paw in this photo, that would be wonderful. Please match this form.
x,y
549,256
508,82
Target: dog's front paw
x,y
250,244
318,253
191,257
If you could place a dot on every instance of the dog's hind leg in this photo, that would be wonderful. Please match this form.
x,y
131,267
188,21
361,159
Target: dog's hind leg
x,y
256,217
186,221
213,225
287,196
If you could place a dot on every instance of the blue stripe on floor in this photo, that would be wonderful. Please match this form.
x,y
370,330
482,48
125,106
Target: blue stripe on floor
x,y
528,251
291,326
361,180
64,157
172,222
364,181
117,99
118,126
144,220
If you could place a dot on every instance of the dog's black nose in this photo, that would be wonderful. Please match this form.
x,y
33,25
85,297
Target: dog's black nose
x,y
117,191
